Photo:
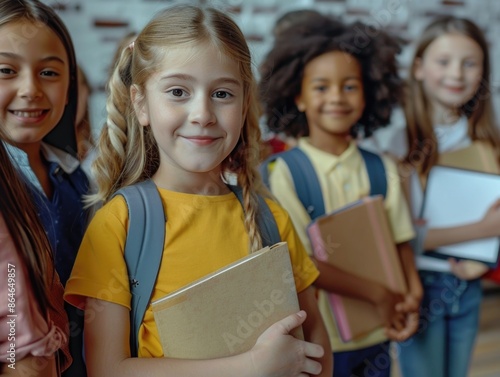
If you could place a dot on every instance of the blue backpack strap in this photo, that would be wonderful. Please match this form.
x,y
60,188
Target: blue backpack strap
x,y
143,249
265,220
376,172
304,177
264,169
307,184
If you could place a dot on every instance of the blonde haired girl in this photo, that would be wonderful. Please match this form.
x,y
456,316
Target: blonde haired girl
x,y
182,111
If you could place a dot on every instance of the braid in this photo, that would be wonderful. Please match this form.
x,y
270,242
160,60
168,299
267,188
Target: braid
x,y
243,162
120,158
250,207
128,152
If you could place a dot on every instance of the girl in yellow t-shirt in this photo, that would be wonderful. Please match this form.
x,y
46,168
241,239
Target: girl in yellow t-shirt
x,y
182,110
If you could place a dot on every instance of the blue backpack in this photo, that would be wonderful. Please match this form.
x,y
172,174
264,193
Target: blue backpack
x,y
146,239
306,180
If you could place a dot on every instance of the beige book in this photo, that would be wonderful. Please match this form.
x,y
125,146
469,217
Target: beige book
x,y
224,313
478,156
357,239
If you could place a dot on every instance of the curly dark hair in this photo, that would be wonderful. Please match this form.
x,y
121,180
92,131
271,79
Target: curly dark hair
x,y
283,68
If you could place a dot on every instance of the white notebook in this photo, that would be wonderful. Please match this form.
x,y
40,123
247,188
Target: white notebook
x,y
455,197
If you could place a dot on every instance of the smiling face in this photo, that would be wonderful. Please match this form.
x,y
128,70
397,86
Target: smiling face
x,y
450,71
34,81
332,98
194,104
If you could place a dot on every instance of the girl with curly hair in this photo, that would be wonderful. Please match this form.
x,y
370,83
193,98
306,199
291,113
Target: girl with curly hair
x,y
326,83
184,123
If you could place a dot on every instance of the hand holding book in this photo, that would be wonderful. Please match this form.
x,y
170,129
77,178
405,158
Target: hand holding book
x,y
225,312
387,308
369,263
490,223
467,269
461,210
410,326
398,312
276,344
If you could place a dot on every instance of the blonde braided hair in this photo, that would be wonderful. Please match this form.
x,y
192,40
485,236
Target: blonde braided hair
x,y
128,152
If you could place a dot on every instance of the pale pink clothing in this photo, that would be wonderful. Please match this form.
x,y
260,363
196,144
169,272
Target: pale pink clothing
x,y
36,333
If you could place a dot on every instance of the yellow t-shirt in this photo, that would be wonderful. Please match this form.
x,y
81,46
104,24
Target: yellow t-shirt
x,y
343,180
203,234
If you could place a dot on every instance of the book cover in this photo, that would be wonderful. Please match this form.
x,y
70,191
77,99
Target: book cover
x,y
455,197
479,156
357,239
224,313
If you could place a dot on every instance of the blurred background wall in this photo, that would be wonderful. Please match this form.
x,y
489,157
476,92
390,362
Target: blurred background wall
x,y
97,26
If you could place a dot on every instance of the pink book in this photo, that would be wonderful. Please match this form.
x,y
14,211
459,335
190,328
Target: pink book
x,y
357,239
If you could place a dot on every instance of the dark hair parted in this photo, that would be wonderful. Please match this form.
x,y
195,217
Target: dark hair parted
x,y
283,69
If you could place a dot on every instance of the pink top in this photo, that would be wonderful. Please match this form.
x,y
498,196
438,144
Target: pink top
x,y
23,327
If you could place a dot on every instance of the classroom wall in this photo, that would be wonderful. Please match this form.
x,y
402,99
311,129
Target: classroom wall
x,y
97,25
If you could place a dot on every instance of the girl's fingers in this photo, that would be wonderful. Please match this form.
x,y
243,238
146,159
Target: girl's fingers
x,y
395,335
392,334
313,350
398,323
287,324
411,326
312,367
410,304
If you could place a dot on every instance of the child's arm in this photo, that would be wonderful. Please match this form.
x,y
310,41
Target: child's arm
x,y
415,289
335,280
488,226
315,330
468,269
411,304
276,354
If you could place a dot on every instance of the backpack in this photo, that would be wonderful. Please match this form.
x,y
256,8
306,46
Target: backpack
x,y
306,180
146,239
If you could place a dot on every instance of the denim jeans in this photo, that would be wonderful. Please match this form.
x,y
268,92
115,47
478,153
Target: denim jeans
x,y
449,320
373,361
